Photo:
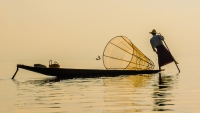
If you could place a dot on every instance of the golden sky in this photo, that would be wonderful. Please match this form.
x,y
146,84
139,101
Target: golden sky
x,y
80,29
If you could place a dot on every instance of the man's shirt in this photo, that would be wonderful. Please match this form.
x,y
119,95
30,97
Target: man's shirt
x,y
156,40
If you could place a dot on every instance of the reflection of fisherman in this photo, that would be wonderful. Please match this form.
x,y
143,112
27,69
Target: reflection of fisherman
x,y
161,95
164,56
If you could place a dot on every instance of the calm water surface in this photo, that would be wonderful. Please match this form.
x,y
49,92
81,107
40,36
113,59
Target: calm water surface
x,y
171,92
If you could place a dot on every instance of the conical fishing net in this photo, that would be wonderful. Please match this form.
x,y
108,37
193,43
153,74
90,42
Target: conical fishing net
x,y
120,53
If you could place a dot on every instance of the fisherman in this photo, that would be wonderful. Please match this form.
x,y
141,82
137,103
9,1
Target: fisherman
x,y
164,55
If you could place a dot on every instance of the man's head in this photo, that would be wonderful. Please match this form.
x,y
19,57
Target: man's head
x,y
153,32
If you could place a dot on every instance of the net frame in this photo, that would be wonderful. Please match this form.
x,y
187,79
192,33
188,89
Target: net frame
x,y
142,62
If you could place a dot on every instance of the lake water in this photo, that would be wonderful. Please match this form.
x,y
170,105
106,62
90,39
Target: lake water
x,y
35,93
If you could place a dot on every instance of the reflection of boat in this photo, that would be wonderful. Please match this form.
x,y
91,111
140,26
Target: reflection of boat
x,y
83,73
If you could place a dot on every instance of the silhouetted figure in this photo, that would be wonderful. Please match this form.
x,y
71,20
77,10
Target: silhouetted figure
x,y
164,56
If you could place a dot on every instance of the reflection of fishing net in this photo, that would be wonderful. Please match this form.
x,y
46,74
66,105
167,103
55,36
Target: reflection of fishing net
x,y
120,53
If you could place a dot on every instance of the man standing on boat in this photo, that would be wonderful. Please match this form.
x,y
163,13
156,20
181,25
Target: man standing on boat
x,y
164,56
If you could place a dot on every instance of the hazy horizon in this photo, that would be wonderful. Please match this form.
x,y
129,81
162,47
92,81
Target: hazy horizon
x,y
66,29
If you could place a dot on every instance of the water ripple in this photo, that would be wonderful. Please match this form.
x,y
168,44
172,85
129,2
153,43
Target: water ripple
x,y
108,94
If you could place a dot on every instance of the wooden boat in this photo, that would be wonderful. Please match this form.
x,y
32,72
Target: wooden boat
x,y
70,73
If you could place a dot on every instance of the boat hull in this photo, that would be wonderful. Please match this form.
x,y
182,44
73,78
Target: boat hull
x,y
84,73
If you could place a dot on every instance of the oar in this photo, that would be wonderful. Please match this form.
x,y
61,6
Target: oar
x,y
171,54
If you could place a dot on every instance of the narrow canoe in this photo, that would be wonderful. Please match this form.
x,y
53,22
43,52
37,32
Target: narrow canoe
x,y
83,73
